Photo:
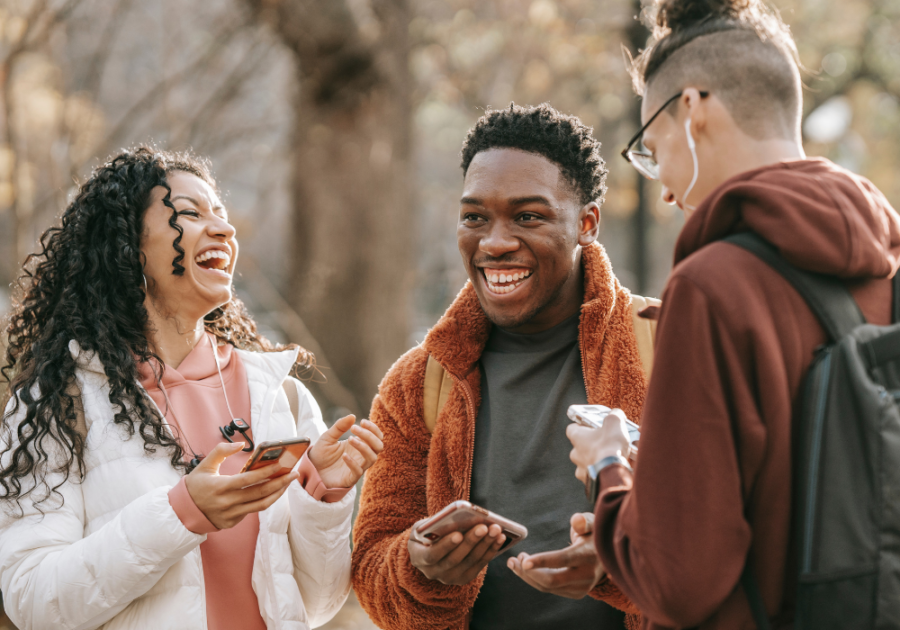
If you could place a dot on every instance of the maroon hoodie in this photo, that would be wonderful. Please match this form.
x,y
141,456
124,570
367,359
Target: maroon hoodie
x,y
713,481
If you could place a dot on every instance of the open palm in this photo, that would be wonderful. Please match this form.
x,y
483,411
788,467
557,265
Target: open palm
x,y
341,463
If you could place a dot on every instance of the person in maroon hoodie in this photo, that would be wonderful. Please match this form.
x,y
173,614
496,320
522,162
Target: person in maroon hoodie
x,y
712,484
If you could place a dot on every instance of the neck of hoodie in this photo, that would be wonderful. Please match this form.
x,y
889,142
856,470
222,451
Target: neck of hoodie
x,y
819,216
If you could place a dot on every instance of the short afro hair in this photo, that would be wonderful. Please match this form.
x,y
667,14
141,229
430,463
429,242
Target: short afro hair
x,y
564,140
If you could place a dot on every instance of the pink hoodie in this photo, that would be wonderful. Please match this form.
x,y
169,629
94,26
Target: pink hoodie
x,y
195,392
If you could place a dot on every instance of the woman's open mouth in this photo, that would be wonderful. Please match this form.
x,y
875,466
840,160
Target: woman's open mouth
x,y
505,281
214,260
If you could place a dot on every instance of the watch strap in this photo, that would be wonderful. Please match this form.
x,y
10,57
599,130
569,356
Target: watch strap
x,y
594,469
593,486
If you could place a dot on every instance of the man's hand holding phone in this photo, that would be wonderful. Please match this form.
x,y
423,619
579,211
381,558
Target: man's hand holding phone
x,y
571,572
591,445
453,545
456,557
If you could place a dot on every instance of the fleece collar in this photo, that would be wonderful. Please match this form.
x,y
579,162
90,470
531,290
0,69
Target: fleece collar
x,y
458,339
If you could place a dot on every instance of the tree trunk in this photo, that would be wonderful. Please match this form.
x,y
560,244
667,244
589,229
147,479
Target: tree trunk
x,y
351,251
637,40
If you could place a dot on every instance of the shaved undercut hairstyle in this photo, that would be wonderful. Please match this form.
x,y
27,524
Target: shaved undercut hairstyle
x,y
739,50
564,140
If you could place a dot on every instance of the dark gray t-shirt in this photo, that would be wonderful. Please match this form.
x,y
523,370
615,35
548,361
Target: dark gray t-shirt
x,y
522,471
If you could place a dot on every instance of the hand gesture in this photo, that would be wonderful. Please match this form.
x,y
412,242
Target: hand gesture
x,y
571,572
457,557
341,463
226,499
592,445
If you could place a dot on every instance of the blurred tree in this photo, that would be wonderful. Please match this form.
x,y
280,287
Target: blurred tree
x,y
637,35
350,246
335,128
852,52
28,105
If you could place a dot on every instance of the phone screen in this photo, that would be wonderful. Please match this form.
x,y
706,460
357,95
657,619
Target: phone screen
x,y
593,415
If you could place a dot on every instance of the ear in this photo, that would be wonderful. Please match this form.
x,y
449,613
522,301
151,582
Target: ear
x,y
696,107
588,223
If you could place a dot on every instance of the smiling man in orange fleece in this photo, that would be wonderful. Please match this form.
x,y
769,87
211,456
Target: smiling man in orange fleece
x,y
542,324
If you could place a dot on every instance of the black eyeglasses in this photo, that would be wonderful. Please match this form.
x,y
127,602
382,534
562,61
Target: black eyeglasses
x,y
644,161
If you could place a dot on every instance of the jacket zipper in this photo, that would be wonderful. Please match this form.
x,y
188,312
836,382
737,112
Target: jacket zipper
x,y
470,409
812,471
581,356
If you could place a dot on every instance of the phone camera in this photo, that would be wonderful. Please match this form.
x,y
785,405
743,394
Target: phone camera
x,y
275,453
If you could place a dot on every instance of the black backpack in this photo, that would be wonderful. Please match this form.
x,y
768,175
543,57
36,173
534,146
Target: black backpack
x,y
846,463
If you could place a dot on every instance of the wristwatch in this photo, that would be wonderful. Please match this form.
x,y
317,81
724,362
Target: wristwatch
x,y
592,487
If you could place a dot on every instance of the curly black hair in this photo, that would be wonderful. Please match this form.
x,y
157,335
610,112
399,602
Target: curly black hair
x,y
562,139
86,284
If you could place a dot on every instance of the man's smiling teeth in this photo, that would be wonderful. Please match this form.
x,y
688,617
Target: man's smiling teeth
x,y
218,259
504,281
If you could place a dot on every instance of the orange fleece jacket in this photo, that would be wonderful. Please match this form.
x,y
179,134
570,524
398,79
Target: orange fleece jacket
x,y
418,474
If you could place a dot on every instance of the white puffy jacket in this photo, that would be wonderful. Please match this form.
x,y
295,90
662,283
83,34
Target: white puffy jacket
x,y
115,554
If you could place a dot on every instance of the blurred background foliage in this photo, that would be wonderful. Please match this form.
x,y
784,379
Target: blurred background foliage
x,y
334,127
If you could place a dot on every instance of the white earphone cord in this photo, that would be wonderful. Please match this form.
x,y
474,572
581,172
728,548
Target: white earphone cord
x,y
693,147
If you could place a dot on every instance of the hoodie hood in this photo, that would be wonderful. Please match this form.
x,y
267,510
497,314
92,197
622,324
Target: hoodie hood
x,y
819,216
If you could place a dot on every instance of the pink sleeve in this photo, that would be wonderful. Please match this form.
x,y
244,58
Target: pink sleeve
x,y
312,483
186,510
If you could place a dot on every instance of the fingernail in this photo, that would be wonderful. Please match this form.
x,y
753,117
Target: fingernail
x,y
456,538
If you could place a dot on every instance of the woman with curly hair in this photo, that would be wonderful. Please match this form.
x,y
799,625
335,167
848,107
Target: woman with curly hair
x,y
124,504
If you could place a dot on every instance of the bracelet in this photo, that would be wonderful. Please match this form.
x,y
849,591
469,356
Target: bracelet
x,y
593,486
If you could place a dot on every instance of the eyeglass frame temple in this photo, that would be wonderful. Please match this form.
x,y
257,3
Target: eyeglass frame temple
x,y
627,149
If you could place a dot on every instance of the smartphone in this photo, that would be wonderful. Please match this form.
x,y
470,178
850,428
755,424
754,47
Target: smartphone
x,y
463,516
286,452
593,415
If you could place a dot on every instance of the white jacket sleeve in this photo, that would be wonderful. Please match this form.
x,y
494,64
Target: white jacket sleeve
x,y
52,576
319,533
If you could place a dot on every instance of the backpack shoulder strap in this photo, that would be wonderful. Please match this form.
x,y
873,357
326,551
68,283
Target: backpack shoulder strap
x,y
437,388
828,299
644,331
293,397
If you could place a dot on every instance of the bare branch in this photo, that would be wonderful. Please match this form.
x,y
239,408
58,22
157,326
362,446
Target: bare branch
x,y
339,62
28,42
292,324
228,90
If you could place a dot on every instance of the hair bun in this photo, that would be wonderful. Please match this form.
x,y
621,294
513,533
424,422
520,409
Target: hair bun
x,y
676,15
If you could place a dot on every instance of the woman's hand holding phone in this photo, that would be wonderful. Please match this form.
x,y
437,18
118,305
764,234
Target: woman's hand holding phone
x,y
341,463
226,499
456,558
